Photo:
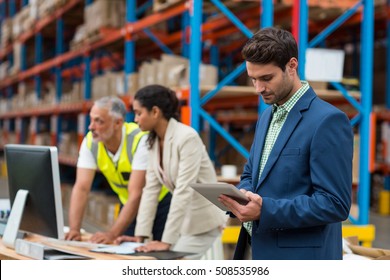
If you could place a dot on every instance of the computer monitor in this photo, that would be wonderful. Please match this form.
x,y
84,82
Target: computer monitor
x,y
35,192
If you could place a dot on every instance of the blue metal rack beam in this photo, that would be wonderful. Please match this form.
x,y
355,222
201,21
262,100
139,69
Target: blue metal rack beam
x,y
157,41
58,78
11,8
267,20
387,178
365,106
195,59
388,60
366,77
303,35
185,22
130,67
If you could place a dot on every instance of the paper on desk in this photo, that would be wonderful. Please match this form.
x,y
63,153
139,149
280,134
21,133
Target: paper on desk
x,y
125,248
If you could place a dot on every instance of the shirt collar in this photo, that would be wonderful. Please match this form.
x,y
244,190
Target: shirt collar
x,y
289,104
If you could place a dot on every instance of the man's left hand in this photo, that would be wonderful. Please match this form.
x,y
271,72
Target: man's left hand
x,y
249,212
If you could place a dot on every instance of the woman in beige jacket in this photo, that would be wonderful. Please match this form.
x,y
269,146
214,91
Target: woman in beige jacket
x,y
177,158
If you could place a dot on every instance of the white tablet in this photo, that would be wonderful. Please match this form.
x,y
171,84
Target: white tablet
x,y
212,191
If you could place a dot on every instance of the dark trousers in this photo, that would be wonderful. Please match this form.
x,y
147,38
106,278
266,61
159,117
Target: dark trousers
x,y
159,220
243,241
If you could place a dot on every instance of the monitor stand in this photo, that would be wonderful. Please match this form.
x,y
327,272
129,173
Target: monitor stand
x,y
12,228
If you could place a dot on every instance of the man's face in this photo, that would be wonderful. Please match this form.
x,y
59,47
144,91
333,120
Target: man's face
x,y
274,85
102,124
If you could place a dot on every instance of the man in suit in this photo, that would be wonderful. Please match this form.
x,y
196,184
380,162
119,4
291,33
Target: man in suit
x,y
298,177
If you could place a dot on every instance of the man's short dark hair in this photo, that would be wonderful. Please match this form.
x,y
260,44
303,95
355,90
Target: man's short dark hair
x,y
271,45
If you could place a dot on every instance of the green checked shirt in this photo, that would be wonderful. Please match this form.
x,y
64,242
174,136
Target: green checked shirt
x,y
279,116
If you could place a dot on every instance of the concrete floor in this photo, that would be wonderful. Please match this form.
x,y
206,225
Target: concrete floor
x,y
382,230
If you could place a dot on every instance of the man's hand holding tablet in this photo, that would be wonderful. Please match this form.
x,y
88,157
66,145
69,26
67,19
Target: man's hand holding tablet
x,y
212,191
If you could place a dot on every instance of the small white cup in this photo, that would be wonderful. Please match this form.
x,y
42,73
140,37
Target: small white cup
x,y
229,171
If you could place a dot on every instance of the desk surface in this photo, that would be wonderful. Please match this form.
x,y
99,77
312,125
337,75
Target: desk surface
x,y
10,254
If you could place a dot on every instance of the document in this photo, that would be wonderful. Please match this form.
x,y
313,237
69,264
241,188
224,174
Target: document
x,y
125,248
128,248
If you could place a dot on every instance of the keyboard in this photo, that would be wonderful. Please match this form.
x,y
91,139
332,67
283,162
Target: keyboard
x,y
74,243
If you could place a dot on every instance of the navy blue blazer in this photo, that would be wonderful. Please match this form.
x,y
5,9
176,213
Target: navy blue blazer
x,y
305,185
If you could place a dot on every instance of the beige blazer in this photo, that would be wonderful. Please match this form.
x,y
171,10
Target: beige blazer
x,y
185,160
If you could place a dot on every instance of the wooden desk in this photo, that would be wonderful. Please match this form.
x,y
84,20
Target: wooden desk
x,y
10,254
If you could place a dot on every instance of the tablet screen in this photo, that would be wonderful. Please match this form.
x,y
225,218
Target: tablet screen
x,y
212,191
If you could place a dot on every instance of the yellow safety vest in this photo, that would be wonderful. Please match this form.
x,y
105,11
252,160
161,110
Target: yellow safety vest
x,y
118,176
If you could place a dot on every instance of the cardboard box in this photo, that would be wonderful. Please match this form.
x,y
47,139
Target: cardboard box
x,y
352,247
160,5
17,51
132,83
318,85
175,70
102,13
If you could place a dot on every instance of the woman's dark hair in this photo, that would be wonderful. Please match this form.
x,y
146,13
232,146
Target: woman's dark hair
x,y
271,45
163,98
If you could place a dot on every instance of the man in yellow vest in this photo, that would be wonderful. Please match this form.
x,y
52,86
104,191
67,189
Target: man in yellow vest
x,y
118,150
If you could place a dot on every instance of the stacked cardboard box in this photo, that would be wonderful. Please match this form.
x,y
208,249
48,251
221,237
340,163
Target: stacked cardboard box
x,y
68,144
102,13
353,251
72,93
108,84
102,209
6,32
46,8
18,22
79,37
17,52
3,105
385,141
43,139
331,3
173,71
159,5
4,70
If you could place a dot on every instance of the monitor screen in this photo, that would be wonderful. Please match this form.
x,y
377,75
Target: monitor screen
x,y
33,171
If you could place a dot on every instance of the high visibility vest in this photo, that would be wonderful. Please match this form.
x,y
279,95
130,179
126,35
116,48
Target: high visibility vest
x,y
118,176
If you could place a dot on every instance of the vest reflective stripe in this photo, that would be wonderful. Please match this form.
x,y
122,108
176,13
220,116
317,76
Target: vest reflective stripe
x,y
164,191
118,176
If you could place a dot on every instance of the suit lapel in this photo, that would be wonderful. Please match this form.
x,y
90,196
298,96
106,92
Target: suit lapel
x,y
168,142
288,128
261,133
156,155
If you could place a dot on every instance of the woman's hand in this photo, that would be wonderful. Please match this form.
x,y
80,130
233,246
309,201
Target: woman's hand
x,y
73,235
102,237
154,246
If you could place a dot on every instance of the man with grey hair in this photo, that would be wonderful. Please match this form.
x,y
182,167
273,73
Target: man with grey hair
x,y
118,150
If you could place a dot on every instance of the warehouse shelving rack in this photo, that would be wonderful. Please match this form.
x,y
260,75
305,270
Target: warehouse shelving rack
x,y
14,119
209,30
